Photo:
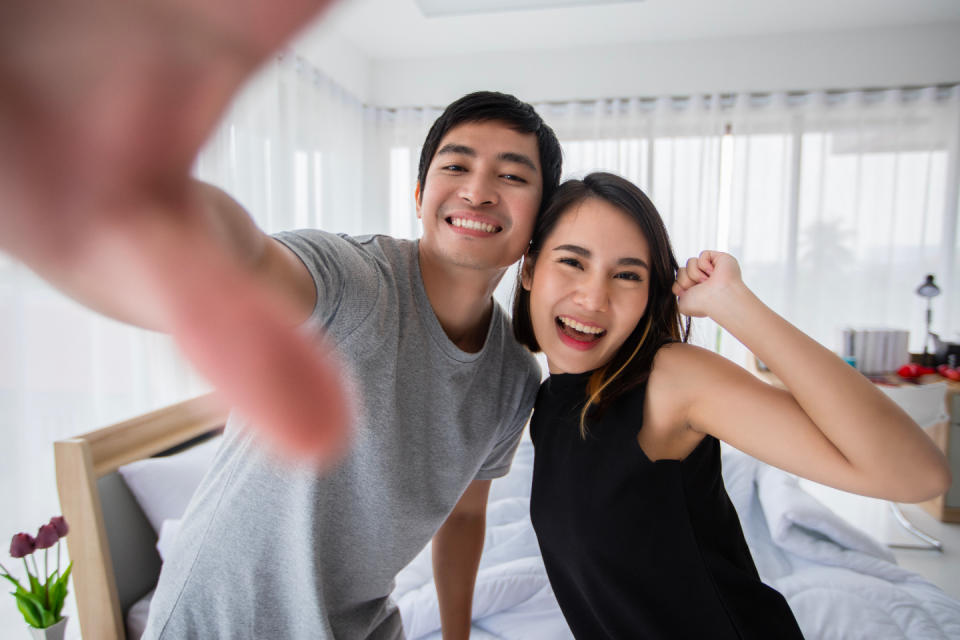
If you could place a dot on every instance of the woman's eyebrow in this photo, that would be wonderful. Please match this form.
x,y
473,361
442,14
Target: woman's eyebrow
x,y
572,248
581,251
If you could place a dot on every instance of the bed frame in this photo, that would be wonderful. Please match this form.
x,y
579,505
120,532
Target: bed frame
x,y
111,542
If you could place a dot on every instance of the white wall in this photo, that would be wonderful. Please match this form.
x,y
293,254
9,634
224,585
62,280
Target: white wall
x,y
344,63
915,55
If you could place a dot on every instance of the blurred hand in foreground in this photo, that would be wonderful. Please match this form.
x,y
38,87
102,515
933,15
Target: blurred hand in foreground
x,y
104,105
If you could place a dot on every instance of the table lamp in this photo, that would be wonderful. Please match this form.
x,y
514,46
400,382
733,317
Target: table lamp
x,y
928,290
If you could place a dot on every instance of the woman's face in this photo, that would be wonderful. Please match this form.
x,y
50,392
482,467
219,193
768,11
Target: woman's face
x,y
589,286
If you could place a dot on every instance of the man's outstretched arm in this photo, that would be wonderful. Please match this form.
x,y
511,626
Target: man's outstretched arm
x,y
105,106
457,547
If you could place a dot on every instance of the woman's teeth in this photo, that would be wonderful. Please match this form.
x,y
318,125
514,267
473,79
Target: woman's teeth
x,y
474,224
583,329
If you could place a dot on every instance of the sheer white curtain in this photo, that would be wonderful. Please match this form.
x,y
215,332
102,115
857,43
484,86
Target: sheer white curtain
x,y
670,147
842,202
291,149
837,204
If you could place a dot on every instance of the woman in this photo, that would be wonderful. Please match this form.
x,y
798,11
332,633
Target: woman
x,y
637,533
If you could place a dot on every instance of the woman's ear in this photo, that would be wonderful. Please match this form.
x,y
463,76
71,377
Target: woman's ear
x,y
526,271
416,198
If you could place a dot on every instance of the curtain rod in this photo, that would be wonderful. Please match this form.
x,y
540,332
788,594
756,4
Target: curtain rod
x,y
302,64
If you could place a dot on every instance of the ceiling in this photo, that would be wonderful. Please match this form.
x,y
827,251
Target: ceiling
x,y
390,29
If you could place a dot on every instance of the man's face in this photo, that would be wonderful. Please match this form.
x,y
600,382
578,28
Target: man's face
x,y
482,192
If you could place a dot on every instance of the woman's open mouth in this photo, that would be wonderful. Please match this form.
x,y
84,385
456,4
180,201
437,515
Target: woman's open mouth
x,y
578,335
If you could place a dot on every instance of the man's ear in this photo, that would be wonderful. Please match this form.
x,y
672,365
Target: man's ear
x,y
416,198
526,271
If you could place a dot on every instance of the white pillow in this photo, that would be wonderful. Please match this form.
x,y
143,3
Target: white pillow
x,y
163,486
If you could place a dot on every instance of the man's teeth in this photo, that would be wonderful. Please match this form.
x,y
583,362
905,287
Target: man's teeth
x,y
473,224
582,328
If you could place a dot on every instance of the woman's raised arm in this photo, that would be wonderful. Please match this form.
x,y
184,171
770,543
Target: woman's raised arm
x,y
833,426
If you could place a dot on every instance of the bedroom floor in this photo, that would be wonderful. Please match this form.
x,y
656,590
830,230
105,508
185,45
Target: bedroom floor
x,y
875,517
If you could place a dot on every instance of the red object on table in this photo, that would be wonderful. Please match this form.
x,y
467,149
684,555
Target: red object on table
x,y
912,371
948,373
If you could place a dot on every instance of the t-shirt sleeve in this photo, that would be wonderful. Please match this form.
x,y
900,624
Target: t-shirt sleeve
x,y
500,459
344,274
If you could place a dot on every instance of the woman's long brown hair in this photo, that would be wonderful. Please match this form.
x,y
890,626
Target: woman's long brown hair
x,y
661,322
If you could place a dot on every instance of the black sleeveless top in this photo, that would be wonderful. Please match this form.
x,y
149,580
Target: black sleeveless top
x,y
640,549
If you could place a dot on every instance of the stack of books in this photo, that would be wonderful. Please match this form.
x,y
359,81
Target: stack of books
x,y
875,351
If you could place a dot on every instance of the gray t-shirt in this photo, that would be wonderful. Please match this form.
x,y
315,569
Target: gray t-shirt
x,y
270,551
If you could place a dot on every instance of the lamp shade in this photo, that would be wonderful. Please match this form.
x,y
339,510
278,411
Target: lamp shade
x,y
928,289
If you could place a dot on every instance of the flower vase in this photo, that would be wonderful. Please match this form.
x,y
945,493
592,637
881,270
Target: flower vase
x,y
53,632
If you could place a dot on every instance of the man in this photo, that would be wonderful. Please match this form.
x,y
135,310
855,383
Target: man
x,y
444,392
96,173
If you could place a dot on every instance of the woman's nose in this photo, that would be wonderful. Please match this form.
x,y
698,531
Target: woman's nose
x,y
592,294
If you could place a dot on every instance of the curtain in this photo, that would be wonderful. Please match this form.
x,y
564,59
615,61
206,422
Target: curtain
x,y
291,150
837,205
842,202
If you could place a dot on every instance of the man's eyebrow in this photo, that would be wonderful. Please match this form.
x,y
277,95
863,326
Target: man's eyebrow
x,y
519,158
506,156
581,251
452,147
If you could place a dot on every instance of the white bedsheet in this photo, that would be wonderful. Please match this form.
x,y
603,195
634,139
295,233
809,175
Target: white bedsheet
x,y
840,583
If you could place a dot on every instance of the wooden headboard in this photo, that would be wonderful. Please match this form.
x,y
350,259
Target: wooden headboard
x,y
86,472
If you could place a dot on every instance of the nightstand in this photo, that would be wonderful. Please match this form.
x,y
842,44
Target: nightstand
x,y
946,508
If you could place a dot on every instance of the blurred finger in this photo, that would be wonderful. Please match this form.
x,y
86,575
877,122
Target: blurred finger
x,y
694,271
707,260
684,281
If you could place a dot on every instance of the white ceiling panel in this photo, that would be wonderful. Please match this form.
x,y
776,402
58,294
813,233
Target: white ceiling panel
x,y
391,29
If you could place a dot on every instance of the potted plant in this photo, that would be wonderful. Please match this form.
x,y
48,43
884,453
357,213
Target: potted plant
x,y
42,602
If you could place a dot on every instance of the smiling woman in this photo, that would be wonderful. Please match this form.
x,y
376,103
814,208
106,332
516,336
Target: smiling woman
x,y
595,296
628,425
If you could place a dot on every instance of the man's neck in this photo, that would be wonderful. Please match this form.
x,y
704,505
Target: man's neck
x,y
462,299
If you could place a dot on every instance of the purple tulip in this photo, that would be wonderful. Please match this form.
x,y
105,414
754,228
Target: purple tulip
x,y
47,536
60,525
22,545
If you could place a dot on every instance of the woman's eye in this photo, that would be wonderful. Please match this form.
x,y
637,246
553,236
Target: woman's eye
x,y
453,167
573,262
629,275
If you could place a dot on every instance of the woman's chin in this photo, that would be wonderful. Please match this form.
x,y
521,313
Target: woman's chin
x,y
558,367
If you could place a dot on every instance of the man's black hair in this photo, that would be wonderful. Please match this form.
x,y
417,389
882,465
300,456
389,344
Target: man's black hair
x,y
483,106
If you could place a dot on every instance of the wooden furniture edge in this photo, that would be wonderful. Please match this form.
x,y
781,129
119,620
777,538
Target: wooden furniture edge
x,y
80,462
94,587
151,433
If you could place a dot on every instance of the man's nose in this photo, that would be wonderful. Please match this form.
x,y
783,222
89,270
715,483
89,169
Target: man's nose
x,y
479,191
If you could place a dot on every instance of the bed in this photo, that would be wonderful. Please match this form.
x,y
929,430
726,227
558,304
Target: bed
x,y
124,487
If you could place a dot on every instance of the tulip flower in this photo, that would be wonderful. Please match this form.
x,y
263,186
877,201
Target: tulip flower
x,y
40,601
60,524
22,545
46,537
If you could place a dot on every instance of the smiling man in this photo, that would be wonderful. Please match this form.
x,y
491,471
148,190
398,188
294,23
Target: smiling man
x,y
444,391
97,137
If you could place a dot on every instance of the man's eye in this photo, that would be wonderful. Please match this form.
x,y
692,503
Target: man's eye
x,y
514,178
453,167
